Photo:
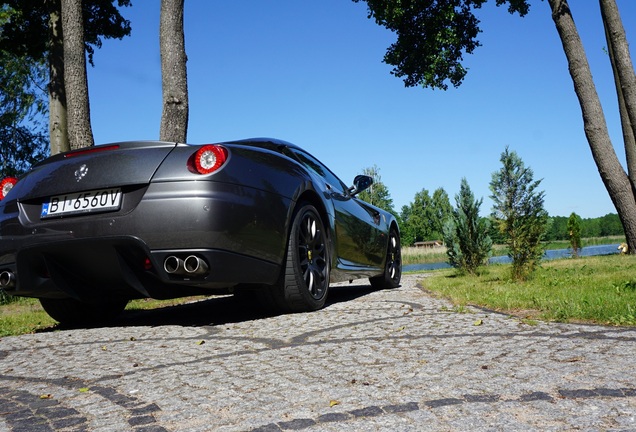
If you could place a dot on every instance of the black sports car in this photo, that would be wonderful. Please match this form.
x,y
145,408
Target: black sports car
x,y
88,230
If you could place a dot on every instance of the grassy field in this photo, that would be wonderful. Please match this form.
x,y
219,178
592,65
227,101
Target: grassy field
x,y
599,290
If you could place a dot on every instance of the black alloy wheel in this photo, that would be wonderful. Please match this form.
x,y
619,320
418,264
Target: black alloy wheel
x,y
393,267
306,277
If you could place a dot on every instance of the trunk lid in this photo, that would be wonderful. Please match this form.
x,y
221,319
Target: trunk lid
x,y
99,167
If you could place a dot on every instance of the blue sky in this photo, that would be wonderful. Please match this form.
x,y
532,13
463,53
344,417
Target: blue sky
x,y
311,72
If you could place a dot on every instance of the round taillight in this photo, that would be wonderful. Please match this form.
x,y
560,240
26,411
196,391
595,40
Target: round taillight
x,y
6,185
209,158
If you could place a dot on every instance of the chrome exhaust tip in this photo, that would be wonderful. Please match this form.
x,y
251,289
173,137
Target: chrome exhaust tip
x,y
195,266
173,265
7,279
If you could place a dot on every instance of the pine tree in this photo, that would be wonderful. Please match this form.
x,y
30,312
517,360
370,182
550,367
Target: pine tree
x,y
466,234
518,211
574,233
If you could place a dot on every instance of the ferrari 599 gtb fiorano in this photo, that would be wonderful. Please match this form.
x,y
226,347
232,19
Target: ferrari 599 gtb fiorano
x,y
88,230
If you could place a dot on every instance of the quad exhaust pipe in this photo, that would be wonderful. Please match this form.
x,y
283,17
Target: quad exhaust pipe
x,y
191,266
173,265
194,265
7,280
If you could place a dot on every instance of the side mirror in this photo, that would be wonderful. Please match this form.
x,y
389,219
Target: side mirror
x,y
360,183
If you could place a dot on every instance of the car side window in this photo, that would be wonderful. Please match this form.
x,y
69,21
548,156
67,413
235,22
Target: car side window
x,y
316,166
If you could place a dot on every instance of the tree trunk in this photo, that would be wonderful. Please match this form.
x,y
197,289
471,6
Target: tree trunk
x,y
628,132
625,79
58,132
174,118
622,60
612,173
80,133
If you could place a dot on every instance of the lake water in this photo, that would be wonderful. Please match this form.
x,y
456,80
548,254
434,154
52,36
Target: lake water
x,y
550,254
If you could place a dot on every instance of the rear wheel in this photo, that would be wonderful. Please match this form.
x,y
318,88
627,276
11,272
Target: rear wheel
x,y
393,267
304,281
74,312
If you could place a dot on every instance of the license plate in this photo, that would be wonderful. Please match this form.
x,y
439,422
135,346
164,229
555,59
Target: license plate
x,y
82,202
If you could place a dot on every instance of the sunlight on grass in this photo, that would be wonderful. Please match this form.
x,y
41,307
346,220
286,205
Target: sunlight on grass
x,y
591,289
23,316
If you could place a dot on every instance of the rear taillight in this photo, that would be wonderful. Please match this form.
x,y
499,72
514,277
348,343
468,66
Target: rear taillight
x,y
209,158
6,185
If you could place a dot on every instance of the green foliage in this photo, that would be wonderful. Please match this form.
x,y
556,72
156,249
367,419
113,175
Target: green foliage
x,y
442,210
26,51
466,234
27,32
22,106
423,219
574,230
378,194
518,211
432,37
608,225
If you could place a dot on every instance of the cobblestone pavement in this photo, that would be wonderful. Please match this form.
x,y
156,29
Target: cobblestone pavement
x,y
392,360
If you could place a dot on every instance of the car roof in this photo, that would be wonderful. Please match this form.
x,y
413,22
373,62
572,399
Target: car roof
x,y
265,143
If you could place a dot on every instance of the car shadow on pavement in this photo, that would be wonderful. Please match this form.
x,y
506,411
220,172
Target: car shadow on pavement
x,y
217,310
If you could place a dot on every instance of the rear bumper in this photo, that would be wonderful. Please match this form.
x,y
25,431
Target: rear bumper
x,y
239,232
123,267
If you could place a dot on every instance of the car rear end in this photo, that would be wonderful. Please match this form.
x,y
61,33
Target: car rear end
x,y
144,219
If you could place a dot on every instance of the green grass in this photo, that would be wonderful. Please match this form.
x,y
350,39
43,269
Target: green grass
x,y
25,315
598,290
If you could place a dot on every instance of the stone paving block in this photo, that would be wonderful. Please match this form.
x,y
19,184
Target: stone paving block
x,y
376,360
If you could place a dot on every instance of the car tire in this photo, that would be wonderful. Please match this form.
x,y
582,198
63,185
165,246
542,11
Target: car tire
x,y
304,281
393,267
74,312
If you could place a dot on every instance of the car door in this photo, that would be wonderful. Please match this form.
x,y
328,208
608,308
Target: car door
x,y
359,227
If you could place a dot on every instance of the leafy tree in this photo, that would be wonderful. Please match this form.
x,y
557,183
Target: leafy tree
x,y
574,232
557,228
34,33
21,133
466,234
416,217
610,224
174,79
591,228
378,194
519,213
407,230
442,210
433,36
421,218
